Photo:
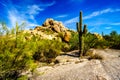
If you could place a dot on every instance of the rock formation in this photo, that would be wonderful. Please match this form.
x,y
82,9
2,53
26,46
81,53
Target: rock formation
x,y
56,27
51,29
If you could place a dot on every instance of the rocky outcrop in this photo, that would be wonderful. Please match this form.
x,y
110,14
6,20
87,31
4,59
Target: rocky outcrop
x,y
38,28
51,29
54,27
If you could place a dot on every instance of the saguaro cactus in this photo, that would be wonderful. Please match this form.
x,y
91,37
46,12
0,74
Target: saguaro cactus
x,y
81,32
85,29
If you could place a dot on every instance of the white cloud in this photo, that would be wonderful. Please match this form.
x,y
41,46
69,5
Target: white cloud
x,y
30,25
93,14
27,13
97,13
14,17
0,25
92,29
108,27
34,9
48,4
61,16
115,23
70,21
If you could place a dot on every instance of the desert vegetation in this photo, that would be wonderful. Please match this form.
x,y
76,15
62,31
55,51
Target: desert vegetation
x,y
17,54
19,51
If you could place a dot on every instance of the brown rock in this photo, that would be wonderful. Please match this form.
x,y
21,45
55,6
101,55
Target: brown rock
x,y
56,28
67,36
54,25
38,28
48,23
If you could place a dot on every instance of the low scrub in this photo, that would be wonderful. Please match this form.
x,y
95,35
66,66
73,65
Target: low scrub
x,y
47,50
74,41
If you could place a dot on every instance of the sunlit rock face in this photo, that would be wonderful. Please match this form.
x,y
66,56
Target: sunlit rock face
x,y
51,29
54,25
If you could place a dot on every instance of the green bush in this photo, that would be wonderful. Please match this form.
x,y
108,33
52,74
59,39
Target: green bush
x,y
18,54
15,54
24,77
113,39
74,41
14,57
89,42
47,50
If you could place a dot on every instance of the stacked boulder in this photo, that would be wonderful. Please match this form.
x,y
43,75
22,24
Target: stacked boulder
x,y
56,27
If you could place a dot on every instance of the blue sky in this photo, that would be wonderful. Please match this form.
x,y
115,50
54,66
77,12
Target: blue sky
x,y
99,15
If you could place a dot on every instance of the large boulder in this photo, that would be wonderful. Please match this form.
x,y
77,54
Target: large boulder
x,y
55,25
48,23
67,36
38,28
56,28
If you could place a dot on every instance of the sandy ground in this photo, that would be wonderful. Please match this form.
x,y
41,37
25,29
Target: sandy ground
x,y
107,69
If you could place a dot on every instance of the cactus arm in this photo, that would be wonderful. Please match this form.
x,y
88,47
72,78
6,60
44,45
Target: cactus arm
x,y
85,29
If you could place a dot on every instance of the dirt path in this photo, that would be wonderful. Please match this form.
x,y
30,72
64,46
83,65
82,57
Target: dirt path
x,y
107,69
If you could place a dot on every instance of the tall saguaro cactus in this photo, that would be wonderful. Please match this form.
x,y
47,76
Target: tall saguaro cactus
x,y
81,32
85,29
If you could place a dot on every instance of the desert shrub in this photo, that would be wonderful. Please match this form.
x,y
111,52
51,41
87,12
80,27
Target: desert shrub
x,y
89,42
102,44
74,41
61,35
24,77
48,31
14,58
47,50
15,55
113,39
